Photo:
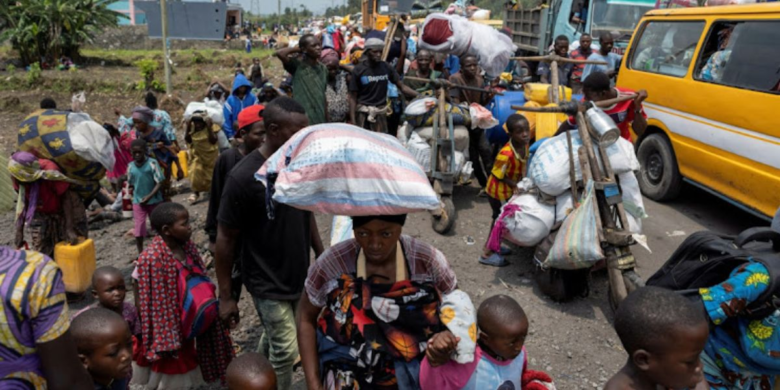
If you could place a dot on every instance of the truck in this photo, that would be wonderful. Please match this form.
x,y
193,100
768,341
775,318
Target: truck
x,y
534,29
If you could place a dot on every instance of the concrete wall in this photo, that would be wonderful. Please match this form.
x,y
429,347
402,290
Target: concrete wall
x,y
137,38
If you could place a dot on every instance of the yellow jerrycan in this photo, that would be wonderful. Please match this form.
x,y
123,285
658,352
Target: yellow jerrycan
x,y
183,162
77,263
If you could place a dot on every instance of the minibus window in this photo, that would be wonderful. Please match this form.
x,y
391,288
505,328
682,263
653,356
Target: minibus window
x,y
667,48
742,54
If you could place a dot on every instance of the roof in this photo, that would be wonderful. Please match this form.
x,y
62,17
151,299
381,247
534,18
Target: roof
x,y
763,8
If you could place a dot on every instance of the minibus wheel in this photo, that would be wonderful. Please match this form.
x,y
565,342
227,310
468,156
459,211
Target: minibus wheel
x,y
659,177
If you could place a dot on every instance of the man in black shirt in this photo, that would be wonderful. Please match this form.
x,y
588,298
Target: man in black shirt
x,y
368,89
275,253
252,132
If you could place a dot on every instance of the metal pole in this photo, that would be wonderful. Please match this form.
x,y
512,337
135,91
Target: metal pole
x,y
166,58
279,14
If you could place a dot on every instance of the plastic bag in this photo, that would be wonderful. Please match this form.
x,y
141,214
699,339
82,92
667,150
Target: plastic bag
x,y
341,169
482,14
461,136
577,244
77,101
531,224
459,316
549,167
452,34
212,108
481,117
92,142
404,132
633,202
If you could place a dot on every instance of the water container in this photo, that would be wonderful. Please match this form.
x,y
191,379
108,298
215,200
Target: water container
x,y
127,201
77,263
501,107
540,93
183,163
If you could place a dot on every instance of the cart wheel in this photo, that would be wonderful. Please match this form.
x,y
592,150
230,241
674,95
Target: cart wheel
x,y
444,223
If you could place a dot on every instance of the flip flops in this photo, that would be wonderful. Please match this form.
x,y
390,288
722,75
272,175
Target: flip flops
x,y
494,260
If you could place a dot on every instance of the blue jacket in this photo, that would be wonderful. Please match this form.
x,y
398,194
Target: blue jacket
x,y
234,105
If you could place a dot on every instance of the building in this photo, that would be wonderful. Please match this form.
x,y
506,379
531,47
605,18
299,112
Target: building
x,y
190,19
132,14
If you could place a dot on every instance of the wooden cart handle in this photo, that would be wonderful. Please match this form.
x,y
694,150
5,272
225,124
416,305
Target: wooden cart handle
x,y
553,57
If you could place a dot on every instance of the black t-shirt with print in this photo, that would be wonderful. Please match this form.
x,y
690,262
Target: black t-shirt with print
x,y
370,83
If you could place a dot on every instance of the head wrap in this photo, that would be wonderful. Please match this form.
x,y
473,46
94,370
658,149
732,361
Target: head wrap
x,y
329,54
362,220
375,44
144,114
250,115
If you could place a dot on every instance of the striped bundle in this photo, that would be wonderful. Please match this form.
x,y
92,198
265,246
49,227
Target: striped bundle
x,y
345,170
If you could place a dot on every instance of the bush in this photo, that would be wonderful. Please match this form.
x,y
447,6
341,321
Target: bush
x,y
34,74
10,68
50,29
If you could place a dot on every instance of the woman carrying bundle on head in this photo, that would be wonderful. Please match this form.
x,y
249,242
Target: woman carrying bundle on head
x,y
353,300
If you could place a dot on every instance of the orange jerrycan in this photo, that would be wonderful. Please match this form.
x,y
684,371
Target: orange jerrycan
x,y
77,263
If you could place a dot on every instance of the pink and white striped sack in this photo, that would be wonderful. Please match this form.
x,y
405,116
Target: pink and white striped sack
x,y
344,170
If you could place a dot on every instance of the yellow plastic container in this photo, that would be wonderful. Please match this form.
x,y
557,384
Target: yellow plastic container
x,y
77,263
183,162
540,93
547,123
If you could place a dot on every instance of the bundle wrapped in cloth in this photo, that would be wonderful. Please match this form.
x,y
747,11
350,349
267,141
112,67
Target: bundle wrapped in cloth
x,y
344,170
452,34
80,147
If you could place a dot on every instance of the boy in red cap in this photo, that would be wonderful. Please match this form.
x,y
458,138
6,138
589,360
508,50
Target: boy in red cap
x,y
252,133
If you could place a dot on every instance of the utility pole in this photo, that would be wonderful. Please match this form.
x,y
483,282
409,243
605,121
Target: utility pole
x,y
279,15
166,58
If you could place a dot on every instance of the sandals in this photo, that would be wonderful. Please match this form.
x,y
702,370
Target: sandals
x,y
494,260
193,198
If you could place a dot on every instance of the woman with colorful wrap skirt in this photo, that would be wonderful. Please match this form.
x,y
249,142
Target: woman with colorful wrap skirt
x,y
47,206
378,295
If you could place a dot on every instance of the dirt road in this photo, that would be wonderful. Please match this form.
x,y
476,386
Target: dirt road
x,y
573,341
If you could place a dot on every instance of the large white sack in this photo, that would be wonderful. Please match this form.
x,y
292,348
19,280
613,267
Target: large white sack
x,y
92,142
531,224
493,48
461,136
419,106
212,108
633,202
421,151
482,14
549,167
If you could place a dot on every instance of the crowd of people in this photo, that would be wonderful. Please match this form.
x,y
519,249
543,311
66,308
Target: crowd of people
x,y
373,312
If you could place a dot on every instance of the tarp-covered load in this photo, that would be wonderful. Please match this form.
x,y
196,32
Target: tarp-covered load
x,y
80,147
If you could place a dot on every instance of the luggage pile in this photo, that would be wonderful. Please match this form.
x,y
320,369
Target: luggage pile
x,y
80,147
547,209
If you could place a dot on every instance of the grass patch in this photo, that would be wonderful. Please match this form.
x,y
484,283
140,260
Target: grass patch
x,y
182,58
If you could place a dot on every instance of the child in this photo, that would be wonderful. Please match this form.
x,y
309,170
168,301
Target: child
x,y
174,360
146,179
664,334
105,347
500,359
202,140
508,170
108,287
251,371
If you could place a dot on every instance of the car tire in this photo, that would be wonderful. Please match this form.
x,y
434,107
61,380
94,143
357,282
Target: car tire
x,y
659,178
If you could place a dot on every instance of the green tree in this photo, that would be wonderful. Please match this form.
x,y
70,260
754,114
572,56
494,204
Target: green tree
x,y
49,29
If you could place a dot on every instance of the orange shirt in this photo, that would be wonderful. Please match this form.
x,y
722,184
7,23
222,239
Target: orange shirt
x,y
509,164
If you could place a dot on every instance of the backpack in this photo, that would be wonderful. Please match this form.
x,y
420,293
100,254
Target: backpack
x,y
706,259
198,300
